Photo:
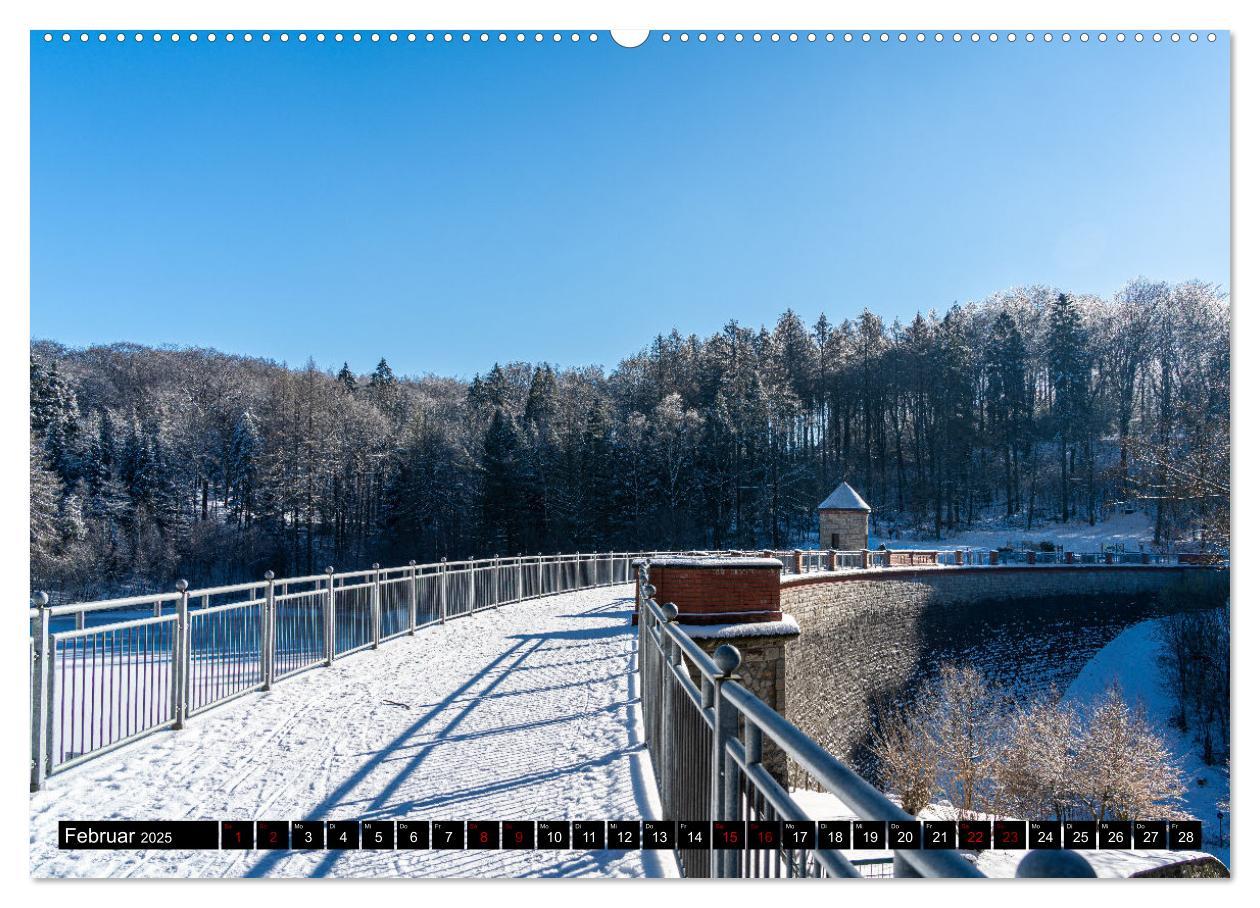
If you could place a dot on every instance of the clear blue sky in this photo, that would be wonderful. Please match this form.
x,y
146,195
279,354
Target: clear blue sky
x,y
452,205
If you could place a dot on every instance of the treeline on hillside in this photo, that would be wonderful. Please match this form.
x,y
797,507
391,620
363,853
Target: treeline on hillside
x,y
149,464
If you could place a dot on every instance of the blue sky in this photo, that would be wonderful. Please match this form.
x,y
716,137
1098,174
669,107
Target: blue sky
x,y
452,205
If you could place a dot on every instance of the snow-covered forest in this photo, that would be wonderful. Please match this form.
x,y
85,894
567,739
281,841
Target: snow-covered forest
x,y
151,464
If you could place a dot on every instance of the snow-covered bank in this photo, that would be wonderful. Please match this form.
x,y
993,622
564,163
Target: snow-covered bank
x,y
1131,530
1130,661
526,712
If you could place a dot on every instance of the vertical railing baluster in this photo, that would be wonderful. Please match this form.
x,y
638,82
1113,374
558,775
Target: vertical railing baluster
x,y
413,599
496,569
330,625
181,657
724,778
376,606
269,644
442,592
41,701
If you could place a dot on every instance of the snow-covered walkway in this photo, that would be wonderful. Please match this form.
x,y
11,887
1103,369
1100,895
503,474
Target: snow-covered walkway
x,y
527,712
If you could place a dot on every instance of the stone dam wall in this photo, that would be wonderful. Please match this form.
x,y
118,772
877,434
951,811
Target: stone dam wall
x,y
870,638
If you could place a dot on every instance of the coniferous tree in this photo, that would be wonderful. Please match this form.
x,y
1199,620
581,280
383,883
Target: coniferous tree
x,y
1068,367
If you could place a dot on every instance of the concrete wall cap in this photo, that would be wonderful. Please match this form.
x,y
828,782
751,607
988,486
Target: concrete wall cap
x,y
788,627
717,563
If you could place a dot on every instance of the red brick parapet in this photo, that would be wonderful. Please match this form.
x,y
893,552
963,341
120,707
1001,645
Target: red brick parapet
x,y
910,557
719,590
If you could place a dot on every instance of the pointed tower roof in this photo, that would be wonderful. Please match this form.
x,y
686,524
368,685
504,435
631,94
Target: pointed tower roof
x,y
844,498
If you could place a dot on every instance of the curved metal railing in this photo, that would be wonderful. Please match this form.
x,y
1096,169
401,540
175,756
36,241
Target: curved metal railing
x,y
707,735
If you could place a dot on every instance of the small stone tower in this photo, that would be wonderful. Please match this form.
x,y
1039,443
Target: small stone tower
x,y
843,520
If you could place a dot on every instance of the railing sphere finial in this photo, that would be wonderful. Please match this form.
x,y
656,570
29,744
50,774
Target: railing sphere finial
x,y
329,569
412,562
376,565
670,611
648,590
40,599
1055,863
181,585
727,658
269,575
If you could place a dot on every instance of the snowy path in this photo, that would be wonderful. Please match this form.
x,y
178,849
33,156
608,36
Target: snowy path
x,y
527,712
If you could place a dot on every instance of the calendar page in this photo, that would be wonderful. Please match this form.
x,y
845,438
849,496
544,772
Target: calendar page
x,y
709,452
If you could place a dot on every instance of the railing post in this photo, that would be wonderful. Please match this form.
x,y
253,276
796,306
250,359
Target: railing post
x,y
269,632
866,559
41,698
520,578
413,599
181,658
495,589
666,748
376,605
472,585
724,785
330,620
540,574
442,592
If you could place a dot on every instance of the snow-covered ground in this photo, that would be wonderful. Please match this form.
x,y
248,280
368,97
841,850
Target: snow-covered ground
x,y
526,712
1130,661
1131,530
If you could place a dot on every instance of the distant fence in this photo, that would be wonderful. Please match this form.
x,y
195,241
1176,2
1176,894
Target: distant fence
x,y
808,561
103,676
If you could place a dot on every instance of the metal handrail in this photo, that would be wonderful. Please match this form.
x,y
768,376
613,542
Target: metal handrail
x,y
731,765
841,781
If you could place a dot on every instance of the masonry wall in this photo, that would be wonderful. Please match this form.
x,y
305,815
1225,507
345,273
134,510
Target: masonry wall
x,y
869,639
763,670
850,525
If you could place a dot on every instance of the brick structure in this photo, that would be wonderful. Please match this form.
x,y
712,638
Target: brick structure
x,y
736,601
710,590
843,520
